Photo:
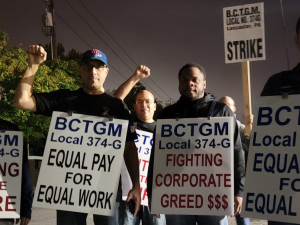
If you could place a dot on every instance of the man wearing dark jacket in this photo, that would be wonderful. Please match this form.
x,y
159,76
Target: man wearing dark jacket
x,y
194,102
285,81
26,188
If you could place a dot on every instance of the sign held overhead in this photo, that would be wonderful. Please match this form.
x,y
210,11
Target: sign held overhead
x,y
244,33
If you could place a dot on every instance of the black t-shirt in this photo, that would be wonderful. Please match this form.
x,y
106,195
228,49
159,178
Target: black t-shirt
x,y
80,102
284,82
148,127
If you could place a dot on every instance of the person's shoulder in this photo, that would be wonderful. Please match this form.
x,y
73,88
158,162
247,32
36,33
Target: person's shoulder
x,y
60,92
169,111
171,107
116,105
6,125
111,97
220,106
222,109
275,82
277,76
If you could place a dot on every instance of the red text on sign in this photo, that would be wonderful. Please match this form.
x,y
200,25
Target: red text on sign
x,y
181,201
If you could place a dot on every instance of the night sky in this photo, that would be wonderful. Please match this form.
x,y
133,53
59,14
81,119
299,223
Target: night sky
x,y
162,34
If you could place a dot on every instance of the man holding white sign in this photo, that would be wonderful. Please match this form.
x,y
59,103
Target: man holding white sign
x,y
144,107
11,180
284,83
89,100
194,103
244,35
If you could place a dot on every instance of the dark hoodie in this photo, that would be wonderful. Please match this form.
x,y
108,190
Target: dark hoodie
x,y
185,108
283,82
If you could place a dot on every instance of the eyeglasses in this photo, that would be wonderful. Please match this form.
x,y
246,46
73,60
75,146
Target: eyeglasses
x,y
148,102
88,66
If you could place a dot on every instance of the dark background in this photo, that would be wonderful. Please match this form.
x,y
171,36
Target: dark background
x,y
162,34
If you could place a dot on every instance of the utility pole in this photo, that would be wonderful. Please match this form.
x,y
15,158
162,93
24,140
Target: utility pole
x,y
49,27
53,43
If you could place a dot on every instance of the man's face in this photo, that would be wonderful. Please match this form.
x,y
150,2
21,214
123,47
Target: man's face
x,y
93,75
192,83
230,103
145,106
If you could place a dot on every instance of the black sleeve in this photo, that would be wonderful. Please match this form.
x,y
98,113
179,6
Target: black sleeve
x,y
239,160
246,143
26,190
46,102
274,84
267,91
125,114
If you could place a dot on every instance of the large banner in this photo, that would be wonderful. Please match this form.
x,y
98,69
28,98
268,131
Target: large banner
x,y
81,164
144,146
193,167
244,33
272,188
11,155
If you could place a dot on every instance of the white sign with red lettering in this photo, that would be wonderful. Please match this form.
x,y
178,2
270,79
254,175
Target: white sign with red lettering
x,y
193,167
11,155
144,146
81,164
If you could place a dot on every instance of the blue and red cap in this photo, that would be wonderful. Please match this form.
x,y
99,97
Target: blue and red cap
x,y
94,54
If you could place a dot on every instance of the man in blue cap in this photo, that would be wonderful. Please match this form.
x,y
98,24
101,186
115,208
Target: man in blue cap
x,y
91,99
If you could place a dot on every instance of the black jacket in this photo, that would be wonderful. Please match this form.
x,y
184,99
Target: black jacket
x,y
283,82
186,108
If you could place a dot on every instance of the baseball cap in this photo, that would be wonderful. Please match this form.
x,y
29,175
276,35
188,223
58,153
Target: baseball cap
x,y
94,54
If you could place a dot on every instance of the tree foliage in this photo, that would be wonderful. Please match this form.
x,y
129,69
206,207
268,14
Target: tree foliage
x,y
52,75
72,54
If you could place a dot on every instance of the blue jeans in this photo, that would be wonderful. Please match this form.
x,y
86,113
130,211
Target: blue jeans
x,y
109,220
192,219
143,214
6,222
76,218
241,220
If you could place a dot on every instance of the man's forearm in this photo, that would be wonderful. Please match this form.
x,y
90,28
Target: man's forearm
x,y
23,98
132,163
126,87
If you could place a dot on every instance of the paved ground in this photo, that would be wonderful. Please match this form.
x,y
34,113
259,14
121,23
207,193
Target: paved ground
x,y
48,217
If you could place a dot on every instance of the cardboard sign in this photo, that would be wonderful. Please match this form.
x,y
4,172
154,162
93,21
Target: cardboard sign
x,y
272,188
244,33
193,167
81,165
11,159
144,146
